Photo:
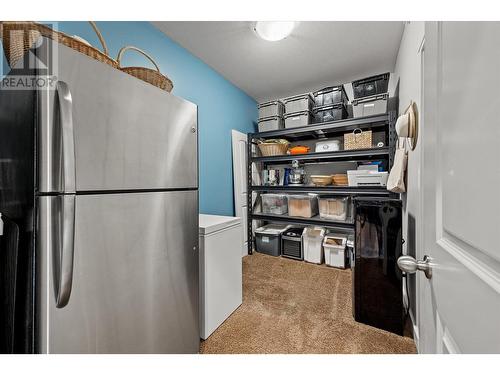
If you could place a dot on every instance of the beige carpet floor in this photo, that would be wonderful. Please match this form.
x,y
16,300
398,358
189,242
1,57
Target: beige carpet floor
x,y
296,307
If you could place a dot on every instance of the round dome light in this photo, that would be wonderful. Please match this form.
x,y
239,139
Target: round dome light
x,y
274,30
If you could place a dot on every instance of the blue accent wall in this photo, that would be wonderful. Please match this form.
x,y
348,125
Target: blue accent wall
x,y
221,105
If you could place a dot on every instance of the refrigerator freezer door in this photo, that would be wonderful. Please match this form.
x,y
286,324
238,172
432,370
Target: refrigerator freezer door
x,y
135,275
128,134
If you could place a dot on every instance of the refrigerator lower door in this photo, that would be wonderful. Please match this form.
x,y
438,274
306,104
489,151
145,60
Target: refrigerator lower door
x,y
134,280
127,134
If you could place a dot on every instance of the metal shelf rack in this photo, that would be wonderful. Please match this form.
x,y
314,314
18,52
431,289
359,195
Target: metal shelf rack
x,y
385,122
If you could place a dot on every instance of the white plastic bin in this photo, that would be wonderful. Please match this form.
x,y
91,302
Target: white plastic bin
x,y
312,239
335,250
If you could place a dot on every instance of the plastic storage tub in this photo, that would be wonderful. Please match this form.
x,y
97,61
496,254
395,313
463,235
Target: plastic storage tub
x,y
291,243
335,250
327,146
297,119
334,208
268,239
332,112
275,204
298,103
272,108
369,106
303,205
330,95
370,86
270,123
312,239
367,178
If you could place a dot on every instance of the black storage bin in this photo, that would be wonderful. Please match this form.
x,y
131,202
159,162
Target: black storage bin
x,y
268,239
332,112
370,86
330,95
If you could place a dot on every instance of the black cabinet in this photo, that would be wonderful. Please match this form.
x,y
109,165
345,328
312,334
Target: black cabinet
x,y
378,295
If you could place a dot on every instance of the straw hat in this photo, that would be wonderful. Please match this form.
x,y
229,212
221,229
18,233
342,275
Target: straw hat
x,y
412,125
406,125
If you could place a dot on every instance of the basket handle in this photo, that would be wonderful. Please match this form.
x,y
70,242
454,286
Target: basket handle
x,y
101,39
355,131
123,49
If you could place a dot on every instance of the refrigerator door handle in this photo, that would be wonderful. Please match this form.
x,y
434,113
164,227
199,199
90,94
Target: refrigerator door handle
x,y
68,140
63,259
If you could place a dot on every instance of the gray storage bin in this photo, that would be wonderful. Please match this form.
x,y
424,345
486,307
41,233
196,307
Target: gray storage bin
x,y
270,123
268,239
272,108
298,103
297,119
369,106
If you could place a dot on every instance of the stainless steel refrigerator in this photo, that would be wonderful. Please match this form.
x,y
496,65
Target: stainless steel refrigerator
x,y
100,173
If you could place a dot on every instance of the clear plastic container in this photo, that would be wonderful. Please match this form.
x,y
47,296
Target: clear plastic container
x,y
312,239
303,205
330,95
334,208
275,204
333,112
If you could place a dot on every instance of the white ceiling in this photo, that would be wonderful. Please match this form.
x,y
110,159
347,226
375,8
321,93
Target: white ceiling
x,y
317,54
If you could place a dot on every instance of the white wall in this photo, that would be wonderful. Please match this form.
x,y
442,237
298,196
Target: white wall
x,y
408,70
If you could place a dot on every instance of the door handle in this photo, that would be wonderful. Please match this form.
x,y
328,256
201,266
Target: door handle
x,y
64,253
68,140
410,265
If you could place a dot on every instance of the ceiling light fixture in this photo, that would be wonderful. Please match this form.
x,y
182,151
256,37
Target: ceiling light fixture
x,y
274,30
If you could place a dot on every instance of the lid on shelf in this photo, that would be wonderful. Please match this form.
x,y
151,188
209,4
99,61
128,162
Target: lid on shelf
x,y
269,118
372,98
383,76
328,107
293,114
330,89
272,229
272,102
303,196
298,97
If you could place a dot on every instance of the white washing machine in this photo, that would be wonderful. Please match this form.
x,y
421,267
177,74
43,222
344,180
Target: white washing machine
x,y
221,284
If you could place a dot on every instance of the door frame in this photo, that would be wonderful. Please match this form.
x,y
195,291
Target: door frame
x,y
238,172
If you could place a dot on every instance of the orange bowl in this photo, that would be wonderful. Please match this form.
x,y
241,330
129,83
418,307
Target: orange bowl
x,y
299,150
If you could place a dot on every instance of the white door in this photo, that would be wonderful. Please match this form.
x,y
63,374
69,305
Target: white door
x,y
460,303
240,183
